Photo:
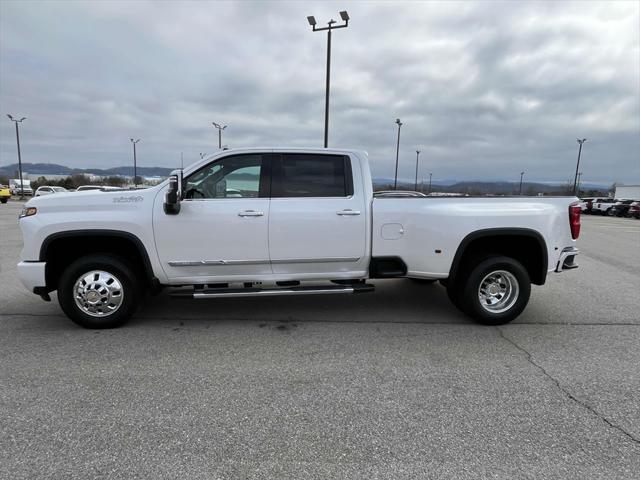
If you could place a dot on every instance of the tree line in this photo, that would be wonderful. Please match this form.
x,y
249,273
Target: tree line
x,y
74,181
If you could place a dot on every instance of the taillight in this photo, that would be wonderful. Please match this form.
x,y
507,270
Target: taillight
x,y
574,220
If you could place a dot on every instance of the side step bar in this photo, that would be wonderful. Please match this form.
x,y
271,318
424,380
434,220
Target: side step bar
x,y
270,292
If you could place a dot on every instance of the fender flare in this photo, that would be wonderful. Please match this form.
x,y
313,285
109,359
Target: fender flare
x,y
102,233
500,232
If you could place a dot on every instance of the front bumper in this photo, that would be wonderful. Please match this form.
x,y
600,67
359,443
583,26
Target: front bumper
x,y
567,260
31,274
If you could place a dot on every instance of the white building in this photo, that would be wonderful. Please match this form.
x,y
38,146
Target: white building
x,y
627,192
48,176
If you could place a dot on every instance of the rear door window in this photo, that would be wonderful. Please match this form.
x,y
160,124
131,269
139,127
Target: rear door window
x,y
312,175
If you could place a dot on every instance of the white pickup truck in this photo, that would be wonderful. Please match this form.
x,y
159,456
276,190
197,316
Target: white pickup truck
x,y
256,222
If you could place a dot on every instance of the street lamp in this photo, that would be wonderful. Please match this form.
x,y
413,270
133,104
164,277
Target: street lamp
x,y
521,175
330,26
575,180
416,183
16,121
395,182
579,178
135,166
220,128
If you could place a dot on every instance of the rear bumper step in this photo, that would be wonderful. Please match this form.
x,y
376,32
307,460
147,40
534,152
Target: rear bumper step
x,y
567,259
269,292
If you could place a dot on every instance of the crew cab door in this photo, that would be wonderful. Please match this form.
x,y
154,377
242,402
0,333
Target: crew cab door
x,y
221,231
317,223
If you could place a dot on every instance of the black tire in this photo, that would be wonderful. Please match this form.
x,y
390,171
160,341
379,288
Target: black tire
x,y
466,296
454,293
4,200
423,281
131,290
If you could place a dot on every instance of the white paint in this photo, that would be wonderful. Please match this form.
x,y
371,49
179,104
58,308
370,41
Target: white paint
x,y
294,239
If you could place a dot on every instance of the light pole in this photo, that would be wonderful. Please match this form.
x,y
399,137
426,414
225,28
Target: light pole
x,y
16,121
521,175
579,178
135,164
395,182
430,175
416,183
220,128
575,180
330,26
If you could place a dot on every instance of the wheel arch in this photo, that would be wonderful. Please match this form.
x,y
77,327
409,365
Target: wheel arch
x,y
533,254
60,247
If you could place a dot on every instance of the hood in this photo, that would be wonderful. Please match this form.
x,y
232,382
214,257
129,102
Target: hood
x,y
92,199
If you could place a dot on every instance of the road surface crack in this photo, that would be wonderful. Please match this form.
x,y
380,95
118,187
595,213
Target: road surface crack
x,y
566,392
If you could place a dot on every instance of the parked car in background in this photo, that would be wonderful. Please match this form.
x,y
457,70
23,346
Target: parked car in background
x,y
14,186
590,201
620,208
398,193
634,210
46,190
602,206
5,193
585,205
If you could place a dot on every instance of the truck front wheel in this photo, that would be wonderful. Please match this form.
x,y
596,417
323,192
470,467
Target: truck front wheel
x,y
99,291
495,291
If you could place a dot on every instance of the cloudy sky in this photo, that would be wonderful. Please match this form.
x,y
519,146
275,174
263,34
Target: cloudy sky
x,y
484,89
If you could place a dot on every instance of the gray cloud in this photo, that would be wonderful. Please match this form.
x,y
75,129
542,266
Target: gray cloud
x,y
484,89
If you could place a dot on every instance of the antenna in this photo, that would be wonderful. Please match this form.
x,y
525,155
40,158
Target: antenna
x,y
181,161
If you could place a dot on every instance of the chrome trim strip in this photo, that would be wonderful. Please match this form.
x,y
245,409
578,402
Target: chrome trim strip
x,y
316,260
273,293
204,263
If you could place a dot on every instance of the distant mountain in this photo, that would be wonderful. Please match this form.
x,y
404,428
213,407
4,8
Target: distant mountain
x,y
484,187
471,187
54,169
504,188
389,181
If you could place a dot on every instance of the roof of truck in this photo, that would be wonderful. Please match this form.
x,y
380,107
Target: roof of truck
x,y
281,148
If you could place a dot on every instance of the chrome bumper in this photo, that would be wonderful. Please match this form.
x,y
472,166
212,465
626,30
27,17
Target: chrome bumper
x,y
567,260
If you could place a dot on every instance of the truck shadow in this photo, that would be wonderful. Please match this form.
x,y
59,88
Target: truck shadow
x,y
394,301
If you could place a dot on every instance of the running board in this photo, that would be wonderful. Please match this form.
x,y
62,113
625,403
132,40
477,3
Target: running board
x,y
270,292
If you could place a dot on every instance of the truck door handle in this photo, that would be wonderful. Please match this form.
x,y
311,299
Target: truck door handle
x,y
250,213
348,211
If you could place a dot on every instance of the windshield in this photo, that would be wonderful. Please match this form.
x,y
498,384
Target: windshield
x,y
59,189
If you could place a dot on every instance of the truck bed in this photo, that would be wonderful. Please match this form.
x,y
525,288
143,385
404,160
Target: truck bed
x,y
426,232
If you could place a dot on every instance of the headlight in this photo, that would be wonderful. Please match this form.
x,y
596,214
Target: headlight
x,y
28,211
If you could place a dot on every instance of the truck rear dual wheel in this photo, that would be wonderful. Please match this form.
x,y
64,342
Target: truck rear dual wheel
x,y
493,290
99,291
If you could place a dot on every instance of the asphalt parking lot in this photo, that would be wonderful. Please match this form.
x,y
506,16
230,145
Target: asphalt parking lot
x,y
395,384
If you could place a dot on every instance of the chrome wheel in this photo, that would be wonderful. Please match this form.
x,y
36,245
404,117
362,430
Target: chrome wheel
x,y
98,293
498,291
